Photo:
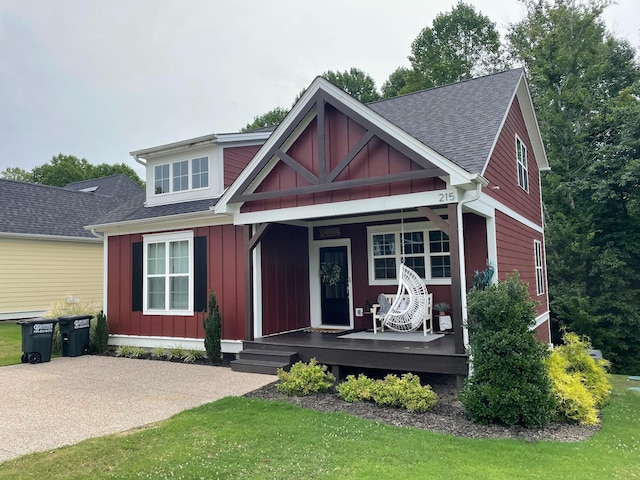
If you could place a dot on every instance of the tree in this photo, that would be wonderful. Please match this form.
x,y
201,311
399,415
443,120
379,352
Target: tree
x,y
213,331
396,82
355,82
272,117
65,169
580,76
459,45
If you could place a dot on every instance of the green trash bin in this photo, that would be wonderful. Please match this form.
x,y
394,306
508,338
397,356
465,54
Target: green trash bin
x,y
37,335
74,330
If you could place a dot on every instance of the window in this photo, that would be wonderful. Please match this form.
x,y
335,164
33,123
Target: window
x,y
168,273
200,172
523,172
161,176
181,176
425,251
537,246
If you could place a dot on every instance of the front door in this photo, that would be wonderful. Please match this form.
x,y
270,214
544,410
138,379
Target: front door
x,y
334,286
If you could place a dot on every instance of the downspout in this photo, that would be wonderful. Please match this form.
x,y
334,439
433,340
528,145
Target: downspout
x,y
480,181
105,268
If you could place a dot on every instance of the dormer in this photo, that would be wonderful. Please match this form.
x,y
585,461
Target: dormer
x,y
198,168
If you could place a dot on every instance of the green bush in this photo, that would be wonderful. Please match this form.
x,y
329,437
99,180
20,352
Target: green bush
x,y
100,334
158,353
129,351
405,392
176,353
509,383
356,389
305,379
212,324
192,356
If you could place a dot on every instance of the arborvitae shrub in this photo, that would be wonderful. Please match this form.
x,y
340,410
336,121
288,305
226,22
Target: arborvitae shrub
x,y
100,339
213,331
305,378
509,383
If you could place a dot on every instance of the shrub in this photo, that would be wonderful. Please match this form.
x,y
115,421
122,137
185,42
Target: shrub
x,y
100,335
212,324
305,379
574,402
405,392
192,356
356,389
128,351
158,353
176,353
509,383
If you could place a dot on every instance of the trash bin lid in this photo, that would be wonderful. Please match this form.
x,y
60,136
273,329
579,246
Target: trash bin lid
x,y
29,321
71,318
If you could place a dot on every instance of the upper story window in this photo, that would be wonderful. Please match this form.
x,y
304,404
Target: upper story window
x,y
425,251
523,171
181,176
537,247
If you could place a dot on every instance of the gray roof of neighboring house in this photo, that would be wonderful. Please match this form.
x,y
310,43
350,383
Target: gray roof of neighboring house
x,y
460,121
32,209
135,209
119,186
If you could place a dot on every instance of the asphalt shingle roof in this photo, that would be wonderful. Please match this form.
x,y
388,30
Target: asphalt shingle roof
x,y
460,121
31,209
134,209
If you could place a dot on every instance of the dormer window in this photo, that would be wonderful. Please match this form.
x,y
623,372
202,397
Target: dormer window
x,y
181,176
521,159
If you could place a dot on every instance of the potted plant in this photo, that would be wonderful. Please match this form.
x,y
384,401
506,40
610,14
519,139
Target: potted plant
x,y
442,308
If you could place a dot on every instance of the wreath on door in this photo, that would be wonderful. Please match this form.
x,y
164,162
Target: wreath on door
x,y
330,273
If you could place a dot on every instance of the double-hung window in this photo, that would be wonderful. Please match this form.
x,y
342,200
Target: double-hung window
x,y
168,273
537,247
426,252
523,170
181,176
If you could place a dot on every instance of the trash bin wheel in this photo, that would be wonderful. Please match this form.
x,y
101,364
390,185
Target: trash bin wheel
x,y
34,358
24,358
85,349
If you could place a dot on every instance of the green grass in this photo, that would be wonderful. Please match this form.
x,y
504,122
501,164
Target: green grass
x,y
239,438
10,343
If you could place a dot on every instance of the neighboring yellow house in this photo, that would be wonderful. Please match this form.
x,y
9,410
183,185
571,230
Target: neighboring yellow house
x,y
45,253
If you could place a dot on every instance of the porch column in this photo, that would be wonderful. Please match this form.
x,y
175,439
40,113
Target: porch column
x,y
251,240
457,287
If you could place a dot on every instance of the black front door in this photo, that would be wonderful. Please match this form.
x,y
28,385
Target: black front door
x,y
335,291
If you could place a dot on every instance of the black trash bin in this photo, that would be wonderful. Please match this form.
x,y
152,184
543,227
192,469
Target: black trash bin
x,y
74,330
37,334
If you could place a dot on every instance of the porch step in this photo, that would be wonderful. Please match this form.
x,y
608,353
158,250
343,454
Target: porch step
x,y
263,361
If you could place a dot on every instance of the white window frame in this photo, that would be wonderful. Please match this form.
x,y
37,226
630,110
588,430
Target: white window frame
x,y
189,175
537,255
522,165
397,229
167,239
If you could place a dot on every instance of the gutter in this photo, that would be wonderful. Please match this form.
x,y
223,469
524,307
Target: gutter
x,y
480,182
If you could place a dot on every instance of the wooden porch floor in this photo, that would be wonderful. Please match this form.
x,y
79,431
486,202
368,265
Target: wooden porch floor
x,y
437,356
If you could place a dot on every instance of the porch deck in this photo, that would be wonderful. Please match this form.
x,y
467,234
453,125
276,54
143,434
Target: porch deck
x,y
436,356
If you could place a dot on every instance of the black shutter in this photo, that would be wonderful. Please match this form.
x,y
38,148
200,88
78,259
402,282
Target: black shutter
x,y
199,274
136,277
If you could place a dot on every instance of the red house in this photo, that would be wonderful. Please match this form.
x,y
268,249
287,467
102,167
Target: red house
x,y
452,174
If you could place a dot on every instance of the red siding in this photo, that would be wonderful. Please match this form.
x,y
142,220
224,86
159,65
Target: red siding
x,y
235,160
516,252
225,272
342,133
475,245
285,279
502,170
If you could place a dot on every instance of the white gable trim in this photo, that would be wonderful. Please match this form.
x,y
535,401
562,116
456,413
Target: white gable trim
x,y
458,176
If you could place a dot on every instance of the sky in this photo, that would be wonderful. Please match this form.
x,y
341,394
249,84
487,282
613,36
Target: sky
x,y
99,79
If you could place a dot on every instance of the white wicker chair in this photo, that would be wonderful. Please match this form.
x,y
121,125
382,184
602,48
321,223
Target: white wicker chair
x,y
411,306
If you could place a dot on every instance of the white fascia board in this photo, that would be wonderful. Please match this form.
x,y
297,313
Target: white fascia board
x,y
252,137
409,200
458,176
173,147
53,238
175,222
486,206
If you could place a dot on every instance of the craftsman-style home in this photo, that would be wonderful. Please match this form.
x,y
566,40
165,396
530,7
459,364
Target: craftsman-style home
x,y
445,181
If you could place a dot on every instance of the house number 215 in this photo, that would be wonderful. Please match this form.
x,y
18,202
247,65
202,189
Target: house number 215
x,y
446,197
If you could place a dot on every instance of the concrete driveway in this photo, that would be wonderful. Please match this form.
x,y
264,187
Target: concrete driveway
x,y
62,402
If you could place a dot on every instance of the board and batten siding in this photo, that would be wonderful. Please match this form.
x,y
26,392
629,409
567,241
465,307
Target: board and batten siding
x,y
36,273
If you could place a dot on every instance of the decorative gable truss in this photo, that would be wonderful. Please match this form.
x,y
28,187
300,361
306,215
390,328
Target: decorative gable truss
x,y
330,142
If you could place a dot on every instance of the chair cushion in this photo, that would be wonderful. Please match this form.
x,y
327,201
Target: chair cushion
x,y
383,301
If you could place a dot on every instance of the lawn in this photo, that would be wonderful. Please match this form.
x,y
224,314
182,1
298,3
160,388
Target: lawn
x,y
10,343
247,438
